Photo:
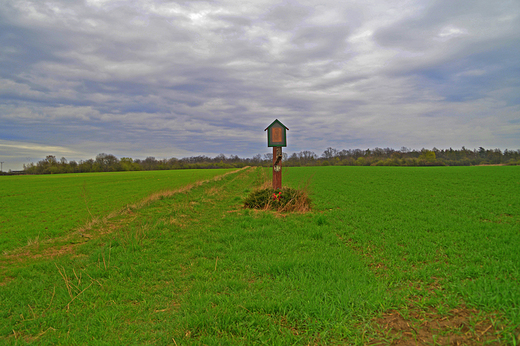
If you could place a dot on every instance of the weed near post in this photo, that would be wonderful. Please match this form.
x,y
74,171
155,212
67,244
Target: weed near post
x,y
285,199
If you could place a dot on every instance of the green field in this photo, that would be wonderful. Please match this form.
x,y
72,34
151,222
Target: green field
x,y
387,255
40,207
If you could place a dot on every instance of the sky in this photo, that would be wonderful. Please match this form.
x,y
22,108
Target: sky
x,y
167,78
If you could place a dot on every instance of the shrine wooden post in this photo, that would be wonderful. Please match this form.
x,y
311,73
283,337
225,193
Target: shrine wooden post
x,y
277,138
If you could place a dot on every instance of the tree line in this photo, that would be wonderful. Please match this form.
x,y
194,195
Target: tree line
x,y
346,157
409,157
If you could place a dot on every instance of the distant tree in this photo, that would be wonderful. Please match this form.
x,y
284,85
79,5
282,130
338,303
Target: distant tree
x,y
86,166
220,158
307,157
361,161
150,163
427,155
294,160
356,153
173,162
257,159
378,152
343,154
329,153
51,160
106,162
127,164
234,159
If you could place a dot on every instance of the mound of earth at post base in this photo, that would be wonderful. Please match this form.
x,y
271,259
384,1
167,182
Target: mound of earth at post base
x,y
285,199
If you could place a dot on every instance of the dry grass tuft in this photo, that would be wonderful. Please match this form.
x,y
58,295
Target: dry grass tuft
x,y
264,197
285,200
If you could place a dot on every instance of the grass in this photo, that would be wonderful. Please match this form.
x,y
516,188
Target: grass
x,y
382,246
48,206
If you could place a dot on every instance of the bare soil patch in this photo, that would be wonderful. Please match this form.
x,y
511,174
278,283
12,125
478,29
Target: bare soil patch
x,y
461,326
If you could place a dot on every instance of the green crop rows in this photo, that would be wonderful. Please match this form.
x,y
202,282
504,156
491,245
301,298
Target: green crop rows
x,y
39,207
458,227
196,268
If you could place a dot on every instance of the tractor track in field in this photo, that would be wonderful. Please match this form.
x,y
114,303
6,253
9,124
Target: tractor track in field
x,y
93,229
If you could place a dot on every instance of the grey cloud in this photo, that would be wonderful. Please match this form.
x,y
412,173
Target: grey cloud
x,y
315,43
287,16
462,50
204,77
465,20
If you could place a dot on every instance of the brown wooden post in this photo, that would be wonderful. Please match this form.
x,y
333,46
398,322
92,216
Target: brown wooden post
x,y
277,138
277,168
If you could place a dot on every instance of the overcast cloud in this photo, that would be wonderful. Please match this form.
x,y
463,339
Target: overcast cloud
x,y
180,78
